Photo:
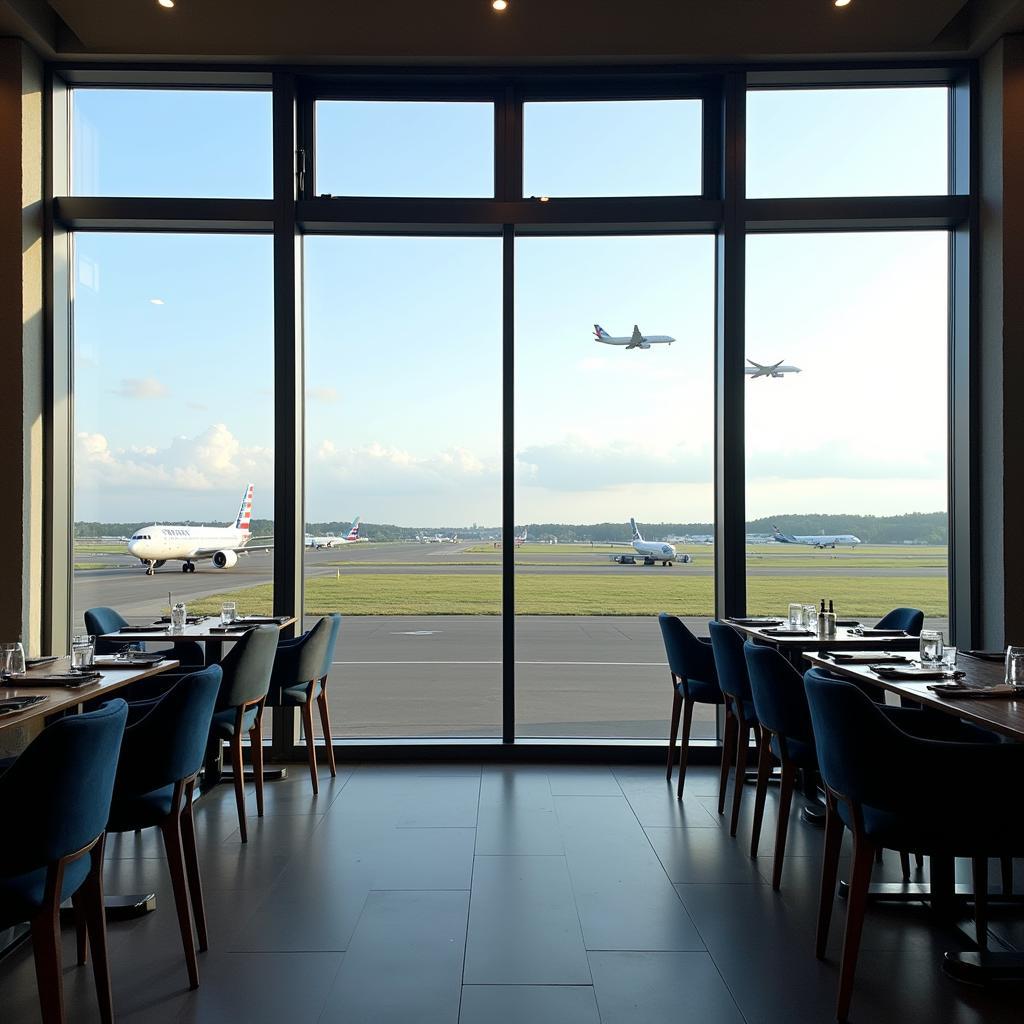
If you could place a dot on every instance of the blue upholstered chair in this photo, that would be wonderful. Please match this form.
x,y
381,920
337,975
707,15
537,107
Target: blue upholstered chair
x,y
691,667
301,667
947,799
55,800
243,692
160,759
781,705
910,620
740,715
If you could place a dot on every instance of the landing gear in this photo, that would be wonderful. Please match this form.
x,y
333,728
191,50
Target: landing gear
x,y
151,568
669,564
188,567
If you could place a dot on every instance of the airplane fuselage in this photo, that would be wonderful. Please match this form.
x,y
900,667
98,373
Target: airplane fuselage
x,y
658,550
819,541
646,342
161,543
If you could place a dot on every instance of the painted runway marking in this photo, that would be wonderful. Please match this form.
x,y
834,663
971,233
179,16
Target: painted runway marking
x,y
416,632
621,664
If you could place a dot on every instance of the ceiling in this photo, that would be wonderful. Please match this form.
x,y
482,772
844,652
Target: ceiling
x,y
550,31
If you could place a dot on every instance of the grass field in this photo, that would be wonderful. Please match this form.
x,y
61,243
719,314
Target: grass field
x,y
570,594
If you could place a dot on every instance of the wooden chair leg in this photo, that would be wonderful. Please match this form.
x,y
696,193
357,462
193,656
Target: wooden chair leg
x,y
81,928
764,767
740,778
856,903
905,865
684,746
786,786
46,947
829,873
728,753
673,729
238,771
307,725
96,922
171,829
325,724
1006,873
195,882
979,867
256,750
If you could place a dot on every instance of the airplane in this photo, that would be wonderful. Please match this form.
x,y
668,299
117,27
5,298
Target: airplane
x,y
522,539
635,340
330,541
821,541
154,545
652,551
756,370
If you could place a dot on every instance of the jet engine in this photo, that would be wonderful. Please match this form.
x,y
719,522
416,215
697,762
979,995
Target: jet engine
x,y
224,559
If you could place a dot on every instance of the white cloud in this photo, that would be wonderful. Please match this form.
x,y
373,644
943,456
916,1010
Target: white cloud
x,y
141,387
329,396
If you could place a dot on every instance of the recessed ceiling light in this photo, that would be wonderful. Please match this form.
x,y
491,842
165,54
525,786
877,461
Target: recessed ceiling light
x,y
170,3
499,5
838,3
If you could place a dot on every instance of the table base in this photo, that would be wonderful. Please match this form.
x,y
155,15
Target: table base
x,y
984,967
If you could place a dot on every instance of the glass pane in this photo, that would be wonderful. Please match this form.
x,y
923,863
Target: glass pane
x,y
403,438
374,148
192,143
605,432
846,459
174,419
612,148
847,142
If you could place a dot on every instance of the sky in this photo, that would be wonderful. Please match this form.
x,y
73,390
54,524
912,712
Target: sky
x,y
173,334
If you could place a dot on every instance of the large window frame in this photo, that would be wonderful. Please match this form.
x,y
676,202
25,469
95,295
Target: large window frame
x,y
721,209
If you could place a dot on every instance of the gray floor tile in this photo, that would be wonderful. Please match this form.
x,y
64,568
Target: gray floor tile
x,y
587,781
538,1004
654,802
404,962
517,813
406,801
523,926
651,988
704,855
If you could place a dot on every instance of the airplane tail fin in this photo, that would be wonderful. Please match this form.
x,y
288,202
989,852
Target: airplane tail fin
x,y
636,530
353,533
600,332
245,509
780,536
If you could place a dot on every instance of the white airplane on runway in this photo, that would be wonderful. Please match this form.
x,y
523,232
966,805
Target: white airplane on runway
x,y
816,541
154,545
756,370
520,540
635,340
651,551
330,541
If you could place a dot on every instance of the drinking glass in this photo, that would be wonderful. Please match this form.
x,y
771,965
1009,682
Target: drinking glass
x,y
796,616
949,657
83,652
931,646
1015,667
810,617
179,616
13,660
227,613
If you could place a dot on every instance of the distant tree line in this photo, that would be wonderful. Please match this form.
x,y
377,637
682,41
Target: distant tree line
x,y
913,528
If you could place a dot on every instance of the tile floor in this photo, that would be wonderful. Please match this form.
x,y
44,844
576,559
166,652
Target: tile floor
x,y
486,895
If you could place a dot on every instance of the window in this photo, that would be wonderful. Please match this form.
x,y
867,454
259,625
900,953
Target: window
x,y
847,142
612,148
372,148
192,143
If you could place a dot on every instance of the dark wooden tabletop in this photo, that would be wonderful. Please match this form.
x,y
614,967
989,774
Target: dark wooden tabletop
x,y
203,630
999,714
60,698
844,638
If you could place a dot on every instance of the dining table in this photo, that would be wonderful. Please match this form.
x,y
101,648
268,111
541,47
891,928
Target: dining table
x,y
982,698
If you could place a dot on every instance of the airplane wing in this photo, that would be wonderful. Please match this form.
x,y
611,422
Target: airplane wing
x,y
199,553
637,339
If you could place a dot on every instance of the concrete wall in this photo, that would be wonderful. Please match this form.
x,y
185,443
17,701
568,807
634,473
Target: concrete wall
x,y
22,337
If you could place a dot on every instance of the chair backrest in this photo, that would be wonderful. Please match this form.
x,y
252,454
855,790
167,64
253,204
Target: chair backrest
x,y
247,667
859,750
168,744
332,642
730,664
106,620
315,650
687,657
908,619
56,796
778,691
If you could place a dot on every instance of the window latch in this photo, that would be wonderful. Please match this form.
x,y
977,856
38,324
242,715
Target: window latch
x,y
300,165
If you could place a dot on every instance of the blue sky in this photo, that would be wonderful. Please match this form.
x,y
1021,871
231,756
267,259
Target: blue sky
x,y
173,335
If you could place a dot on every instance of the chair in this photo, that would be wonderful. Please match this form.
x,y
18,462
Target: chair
x,y
910,620
156,775
691,664
55,799
243,691
300,675
781,706
99,621
740,715
948,799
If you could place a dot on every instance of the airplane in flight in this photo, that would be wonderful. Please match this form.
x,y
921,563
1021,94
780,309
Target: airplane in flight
x,y
651,551
155,545
635,340
756,370
330,541
815,541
